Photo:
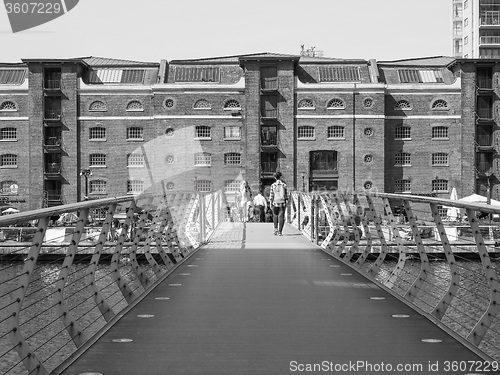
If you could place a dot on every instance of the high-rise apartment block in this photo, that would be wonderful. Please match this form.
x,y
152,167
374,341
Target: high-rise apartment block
x,y
476,28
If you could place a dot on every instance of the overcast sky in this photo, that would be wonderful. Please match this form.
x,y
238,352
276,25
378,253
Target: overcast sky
x,y
151,30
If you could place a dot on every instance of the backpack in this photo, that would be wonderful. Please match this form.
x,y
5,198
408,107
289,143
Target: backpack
x,y
279,193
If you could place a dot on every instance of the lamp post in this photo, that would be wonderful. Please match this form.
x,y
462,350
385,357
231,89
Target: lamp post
x,y
86,173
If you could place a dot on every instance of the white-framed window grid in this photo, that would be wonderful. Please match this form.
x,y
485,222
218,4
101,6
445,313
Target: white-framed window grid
x,y
202,159
135,133
97,160
439,158
135,186
202,131
8,105
305,132
135,106
232,158
8,134
439,132
8,160
97,133
402,132
135,160
97,187
204,186
232,132
335,131
440,184
402,159
402,186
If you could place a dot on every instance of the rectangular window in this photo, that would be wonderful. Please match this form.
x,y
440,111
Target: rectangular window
x,y
8,187
402,158
116,76
135,133
97,160
305,132
197,74
8,160
402,186
135,186
12,76
232,158
339,74
231,186
203,132
268,135
420,76
336,132
402,132
97,187
97,133
232,132
135,160
440,185
439,132
204,186
8,134
202,158
439,158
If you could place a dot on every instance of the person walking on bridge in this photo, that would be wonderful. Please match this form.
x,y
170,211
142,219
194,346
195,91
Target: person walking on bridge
x,y
277,199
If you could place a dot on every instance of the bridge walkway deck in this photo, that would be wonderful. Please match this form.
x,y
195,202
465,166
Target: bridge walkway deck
x,y
249,302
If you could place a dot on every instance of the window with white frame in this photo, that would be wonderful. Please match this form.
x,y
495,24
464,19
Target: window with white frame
x,y
439,132
135,133
402,105
204,186
440,185
97,160
135,160
402,159
97,187
305,132
339,73
202,131
402,132
202,104
231,186
232,132
232,158
335,103
97,133
8,134
232,104
135,106
197,74
135,186
5,187
97,106
8,160
335,131
439,158
203,158
402,186
8,105
440,104
306,104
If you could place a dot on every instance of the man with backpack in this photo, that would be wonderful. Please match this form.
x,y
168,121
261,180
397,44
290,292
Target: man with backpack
x,y
277,200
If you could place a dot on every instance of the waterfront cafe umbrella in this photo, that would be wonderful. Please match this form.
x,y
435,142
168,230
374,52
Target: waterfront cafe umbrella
x,y
453,212
476,198
10,210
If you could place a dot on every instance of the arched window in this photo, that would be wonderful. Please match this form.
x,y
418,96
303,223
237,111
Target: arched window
x,y
335,103
8,105
232,104
440,104
306,104
403,105
97,106
135,105
202,104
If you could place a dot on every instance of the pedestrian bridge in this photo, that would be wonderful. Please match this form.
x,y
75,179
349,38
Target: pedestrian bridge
x,y
173,287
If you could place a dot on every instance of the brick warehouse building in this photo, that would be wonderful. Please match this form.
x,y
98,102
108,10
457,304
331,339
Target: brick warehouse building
x,y
420,126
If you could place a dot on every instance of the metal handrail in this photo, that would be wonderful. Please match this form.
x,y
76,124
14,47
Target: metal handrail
x,y
84,291
394,251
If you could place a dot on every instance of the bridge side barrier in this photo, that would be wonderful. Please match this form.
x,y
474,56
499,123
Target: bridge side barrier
x,y
446,269
60,290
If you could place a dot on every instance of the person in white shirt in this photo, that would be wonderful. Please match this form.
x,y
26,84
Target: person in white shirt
x,y
260,204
